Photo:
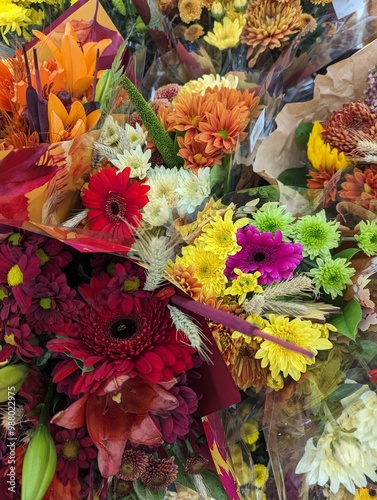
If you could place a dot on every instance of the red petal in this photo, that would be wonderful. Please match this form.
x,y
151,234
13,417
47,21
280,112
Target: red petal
x,y
74,416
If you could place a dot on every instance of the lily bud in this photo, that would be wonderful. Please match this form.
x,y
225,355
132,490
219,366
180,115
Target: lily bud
x,y
11,379
104,86
39,465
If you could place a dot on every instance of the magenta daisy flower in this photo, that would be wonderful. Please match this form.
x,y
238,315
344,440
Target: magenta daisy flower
x,y
114,203
18,270
264,252
75,451
113,343
54,303
17,339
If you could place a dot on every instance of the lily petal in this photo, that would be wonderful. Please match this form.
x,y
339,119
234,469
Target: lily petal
x,y
74,416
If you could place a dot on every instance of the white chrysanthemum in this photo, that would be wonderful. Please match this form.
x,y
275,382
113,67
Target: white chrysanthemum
x,y
110,132
135,136
164,183
328,462
208,81
192,189
136,160
157,212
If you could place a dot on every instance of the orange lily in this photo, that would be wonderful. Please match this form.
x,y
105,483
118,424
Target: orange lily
x,y
63,125
6,83
78,62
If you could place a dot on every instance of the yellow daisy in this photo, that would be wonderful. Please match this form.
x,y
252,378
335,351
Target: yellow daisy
x,y
226,34
219,235
208,268
298,332
320,154
244,284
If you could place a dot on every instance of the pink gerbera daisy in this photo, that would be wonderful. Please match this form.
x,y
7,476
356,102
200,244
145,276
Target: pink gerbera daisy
x,y
114,202
264,252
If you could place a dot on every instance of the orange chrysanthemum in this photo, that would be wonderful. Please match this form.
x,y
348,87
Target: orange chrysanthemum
x,y
189,10
231,98
322,180
224,342
360,187
223,129
245,369
345,127
185,280
270,23
189,111
193,32
195,155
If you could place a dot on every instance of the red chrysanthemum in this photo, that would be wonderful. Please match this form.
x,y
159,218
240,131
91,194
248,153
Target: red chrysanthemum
x,y
75,450
126,286
114,202
133,464
159,473
18,270
16,339
113,343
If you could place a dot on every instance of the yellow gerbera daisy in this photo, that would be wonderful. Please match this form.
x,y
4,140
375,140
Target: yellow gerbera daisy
x,y
320,154
298,332
219,235
226,34
208,267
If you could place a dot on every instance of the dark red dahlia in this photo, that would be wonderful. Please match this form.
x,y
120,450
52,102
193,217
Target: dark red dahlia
x,y
112,343
114,203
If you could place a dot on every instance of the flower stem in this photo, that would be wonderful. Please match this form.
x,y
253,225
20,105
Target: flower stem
x,y
47,403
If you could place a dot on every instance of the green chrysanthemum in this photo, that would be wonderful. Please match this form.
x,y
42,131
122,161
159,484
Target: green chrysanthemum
x,y
316,235
332,275
271,217
367,237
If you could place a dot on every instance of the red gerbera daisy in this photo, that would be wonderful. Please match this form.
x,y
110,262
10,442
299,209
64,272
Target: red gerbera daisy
x,y
114,343
113,202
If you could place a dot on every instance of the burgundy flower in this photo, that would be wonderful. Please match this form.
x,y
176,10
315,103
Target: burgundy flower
x,y
126,286
266,253
53,256
112,343
75,450
133,464
8,304
17,337
159,473
18,270
54,303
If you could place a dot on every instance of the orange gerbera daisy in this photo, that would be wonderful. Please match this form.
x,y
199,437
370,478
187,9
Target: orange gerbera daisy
x,y
222,129
189,111
195,155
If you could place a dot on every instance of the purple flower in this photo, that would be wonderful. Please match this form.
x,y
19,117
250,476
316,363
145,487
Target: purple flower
x,y
266,253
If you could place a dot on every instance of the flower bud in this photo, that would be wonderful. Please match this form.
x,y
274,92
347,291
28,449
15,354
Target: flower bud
x,y
104,86
217,10
11,379
39,465
240,5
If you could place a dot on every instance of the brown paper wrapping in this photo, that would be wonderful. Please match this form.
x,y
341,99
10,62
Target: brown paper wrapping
x,y
344,82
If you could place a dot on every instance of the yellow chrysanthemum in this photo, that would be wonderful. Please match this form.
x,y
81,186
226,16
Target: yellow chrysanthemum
x,y
254,319
13,18
219,235
208,268
365,494
259,475
189,10
298,332
244,284
276,384
320,154
226,34
249,433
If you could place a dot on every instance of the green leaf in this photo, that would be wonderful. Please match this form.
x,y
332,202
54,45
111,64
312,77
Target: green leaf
x,y
302,133
214,485
367,350
295,177
347,253
144,493
347,321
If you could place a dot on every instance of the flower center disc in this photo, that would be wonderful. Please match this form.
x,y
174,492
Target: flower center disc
x,y
124,328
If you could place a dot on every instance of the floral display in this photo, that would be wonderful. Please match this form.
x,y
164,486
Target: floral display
x,y
185,313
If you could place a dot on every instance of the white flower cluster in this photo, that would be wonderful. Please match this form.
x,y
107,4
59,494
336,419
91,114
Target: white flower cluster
x,y
346,452
173,190
123,147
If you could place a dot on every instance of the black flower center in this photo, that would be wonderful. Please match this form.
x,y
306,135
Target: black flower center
x,y
124,328
114,207
259,257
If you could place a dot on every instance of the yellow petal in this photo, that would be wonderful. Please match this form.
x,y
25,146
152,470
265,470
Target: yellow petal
x,y
81,86
73,61
78,129
92,119
77,112
55,105
90,53
52,47
57,130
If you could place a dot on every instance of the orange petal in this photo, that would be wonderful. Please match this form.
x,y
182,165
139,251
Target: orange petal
x,y
55,104
78,129
92,119
81,85
73,61
56,126
52,47
90,53
74,416
77,112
